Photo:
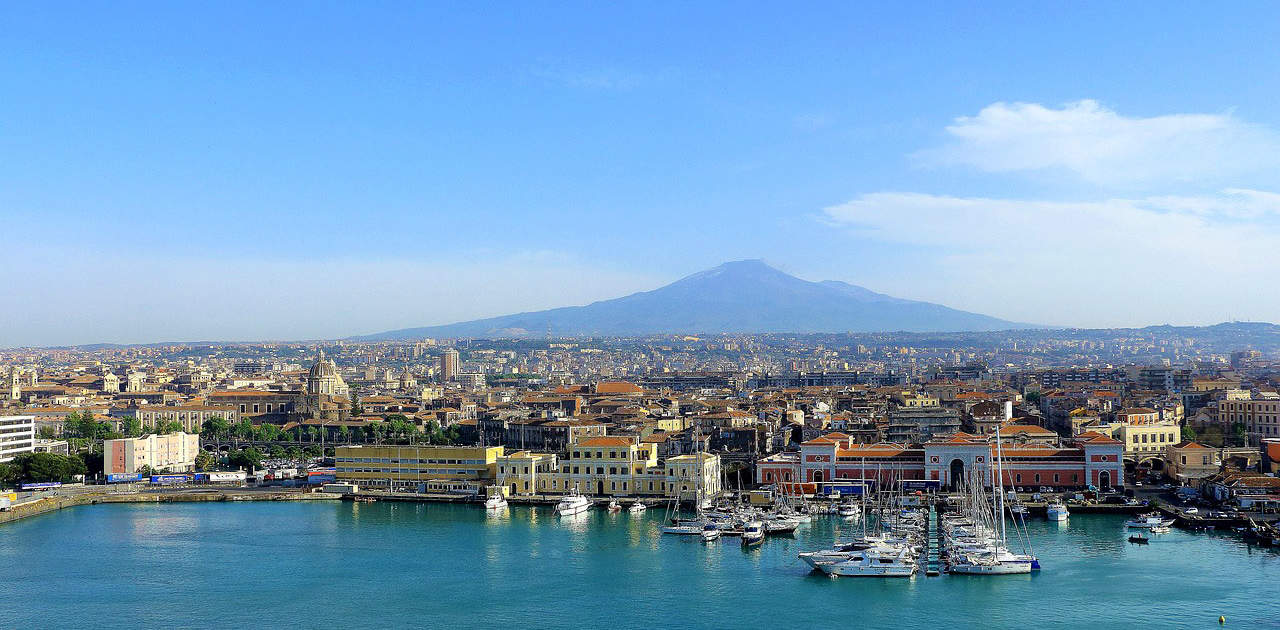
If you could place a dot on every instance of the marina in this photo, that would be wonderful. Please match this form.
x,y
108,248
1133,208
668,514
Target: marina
x,y
393,563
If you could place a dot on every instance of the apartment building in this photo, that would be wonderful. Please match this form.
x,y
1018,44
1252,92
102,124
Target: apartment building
x,y
1260,416
175,452
17,436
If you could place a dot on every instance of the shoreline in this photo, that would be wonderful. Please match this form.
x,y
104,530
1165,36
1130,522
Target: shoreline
x,y
46,505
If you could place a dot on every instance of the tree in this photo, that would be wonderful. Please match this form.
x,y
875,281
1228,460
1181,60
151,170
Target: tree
x,y
132,426
46,433
10,474
356,410
344,434
1238,430
1188,433
216,427
1032,398
39,467
247,459
205,461
172,426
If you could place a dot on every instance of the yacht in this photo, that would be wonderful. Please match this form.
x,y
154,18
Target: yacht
x,y
980,564
869,563
495,502
710,532
849,510
1057,511
752,533
637,508
1149,520
572,504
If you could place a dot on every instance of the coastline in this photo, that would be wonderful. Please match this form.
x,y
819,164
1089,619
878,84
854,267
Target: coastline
x,y
46,505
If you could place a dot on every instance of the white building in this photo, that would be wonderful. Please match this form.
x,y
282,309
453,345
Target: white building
x,y
17,436
175,452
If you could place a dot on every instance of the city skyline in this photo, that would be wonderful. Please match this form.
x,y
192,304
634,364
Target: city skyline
x,y
281,175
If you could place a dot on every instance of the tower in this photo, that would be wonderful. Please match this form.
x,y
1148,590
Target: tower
x,y
15,384
448,365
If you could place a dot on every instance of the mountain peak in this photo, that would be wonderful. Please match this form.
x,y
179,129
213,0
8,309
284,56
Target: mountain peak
x,y
741,296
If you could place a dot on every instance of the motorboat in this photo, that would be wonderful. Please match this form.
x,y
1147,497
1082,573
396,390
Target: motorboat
x,y
495,502
987,565
614,507
1149,520
1057,511
710,532
849,510
780,526
637,508
1160,529
1139,539
752,533
572,504
869,563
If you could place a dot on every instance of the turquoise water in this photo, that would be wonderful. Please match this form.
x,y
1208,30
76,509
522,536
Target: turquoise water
x,y
312,564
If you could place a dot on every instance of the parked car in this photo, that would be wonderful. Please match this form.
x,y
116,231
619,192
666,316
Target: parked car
x,y
1191,510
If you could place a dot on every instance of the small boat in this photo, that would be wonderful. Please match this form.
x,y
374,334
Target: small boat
x,y
752,533
710,532
1160,530
364,499
614,507
849,510
637,508
1149,520
1057,511
572,504
780,526
1139,539
495,502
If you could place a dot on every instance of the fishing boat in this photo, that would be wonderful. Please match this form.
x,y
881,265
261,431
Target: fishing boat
x,y
1149,520
495,503
1139,539
637,508
572,504
752,533
1057,511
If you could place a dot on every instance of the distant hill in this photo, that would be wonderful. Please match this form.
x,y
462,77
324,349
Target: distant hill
x,y
746,296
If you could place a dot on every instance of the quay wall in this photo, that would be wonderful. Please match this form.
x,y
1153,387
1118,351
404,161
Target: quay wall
x,y
45,505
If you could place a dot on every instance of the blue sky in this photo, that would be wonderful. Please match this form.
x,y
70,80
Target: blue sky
x,y
247,171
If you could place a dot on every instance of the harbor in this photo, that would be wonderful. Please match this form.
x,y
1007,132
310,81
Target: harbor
x,y
396,563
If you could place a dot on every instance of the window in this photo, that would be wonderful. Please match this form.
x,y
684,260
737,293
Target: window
x,y
1037,477
1017,478
1055,477
613,470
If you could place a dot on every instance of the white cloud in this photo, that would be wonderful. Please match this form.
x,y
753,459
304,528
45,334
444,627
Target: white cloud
x,y
1101,263
1104,147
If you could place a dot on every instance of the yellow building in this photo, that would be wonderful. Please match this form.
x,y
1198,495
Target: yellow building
x,y
606,466
683,472
454,469
1148,438
520,472
669,425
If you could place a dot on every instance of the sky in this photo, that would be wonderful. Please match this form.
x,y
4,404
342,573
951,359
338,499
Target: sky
x,y
274,171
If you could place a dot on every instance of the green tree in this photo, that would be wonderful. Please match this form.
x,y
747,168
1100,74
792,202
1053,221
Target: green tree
x,y
1188,433
205,461
10,474
246,459
1238,431
312,450
216,428
39,467
344,434
356,410
132,426
172,426
294,453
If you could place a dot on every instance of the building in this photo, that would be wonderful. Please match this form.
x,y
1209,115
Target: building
x,y
1144,433
448,365
175,452
191,417
323,378
948,461
1260,417
520,472
921,424
608,466
688,474
435,469
17,436
1189,461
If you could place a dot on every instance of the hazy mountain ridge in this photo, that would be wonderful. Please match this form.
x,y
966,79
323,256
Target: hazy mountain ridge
x,y
738,297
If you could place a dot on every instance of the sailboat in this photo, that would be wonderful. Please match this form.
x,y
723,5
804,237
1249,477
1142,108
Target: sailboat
x,y
979,548
695,526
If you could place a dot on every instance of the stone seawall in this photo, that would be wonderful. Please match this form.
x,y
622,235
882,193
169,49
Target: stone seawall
x,y
52,503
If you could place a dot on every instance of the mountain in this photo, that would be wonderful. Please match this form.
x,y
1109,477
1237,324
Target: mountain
x,y
746,296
